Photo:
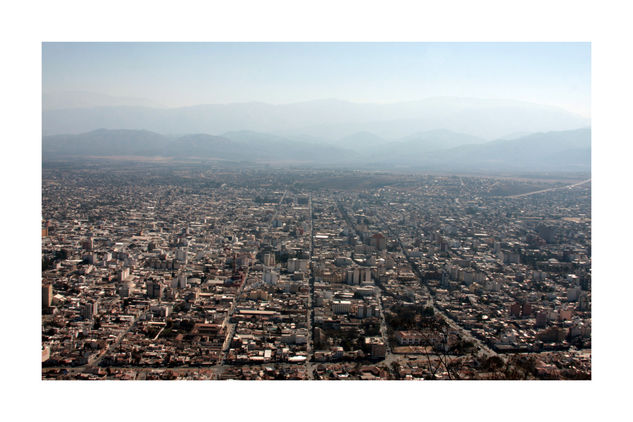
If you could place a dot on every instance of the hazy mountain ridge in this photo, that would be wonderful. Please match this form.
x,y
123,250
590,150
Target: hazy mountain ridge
x,y
361,142
82,99
106,142
327,120
201,145
561,150
232,146
424,142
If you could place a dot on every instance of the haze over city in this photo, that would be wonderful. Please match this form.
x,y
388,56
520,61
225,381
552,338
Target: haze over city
x,y
292,195
422,106
316,211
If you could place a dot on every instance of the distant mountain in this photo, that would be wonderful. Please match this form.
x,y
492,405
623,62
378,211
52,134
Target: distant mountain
x,y
259,139
323,120
361,142
272,147
436,150
239,146
83,99
514,135
424,142
201,145
106,142
561,150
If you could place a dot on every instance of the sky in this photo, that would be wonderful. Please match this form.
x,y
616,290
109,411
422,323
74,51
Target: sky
x,y
183,74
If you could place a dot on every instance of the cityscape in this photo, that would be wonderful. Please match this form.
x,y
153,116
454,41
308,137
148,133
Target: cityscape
x,y
286,210
316,211
183,272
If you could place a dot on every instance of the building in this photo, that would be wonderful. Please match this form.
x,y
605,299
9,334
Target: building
x,y
358,275
409,338
526,310
364,291
353,276
367,311
47,295
341,306
154,289
378,241
88,244
124,274
88,310
295,264
46,353
270,276
179,282
573,294
124,289
377,347
541,319
181,255
269,260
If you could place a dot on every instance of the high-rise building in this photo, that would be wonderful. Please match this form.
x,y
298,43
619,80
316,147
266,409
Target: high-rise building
x,y
515,309
179,282
377,347
88,309
365,275
88,244
269,260
378,241
124,274
296,264
47,295
154,289
124,289
270,276
181,255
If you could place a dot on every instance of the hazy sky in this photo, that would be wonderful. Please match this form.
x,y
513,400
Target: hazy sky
x,y
181,74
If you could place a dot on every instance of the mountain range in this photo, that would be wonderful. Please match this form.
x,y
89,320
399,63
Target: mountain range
x,y
549,151
324,121
568,150
84,99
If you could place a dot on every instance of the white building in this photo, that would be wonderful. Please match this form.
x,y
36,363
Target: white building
x,y
270,276
341,306
295,264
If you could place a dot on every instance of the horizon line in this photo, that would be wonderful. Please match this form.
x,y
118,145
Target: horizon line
x,y
388,102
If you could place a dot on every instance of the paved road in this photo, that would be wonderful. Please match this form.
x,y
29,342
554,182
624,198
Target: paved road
x,y
118,339
383,323
281,201
94,361
310,316
455,326
230,327
465,334
550,189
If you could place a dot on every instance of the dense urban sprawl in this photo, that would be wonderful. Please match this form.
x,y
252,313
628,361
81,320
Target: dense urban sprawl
x,y
165,272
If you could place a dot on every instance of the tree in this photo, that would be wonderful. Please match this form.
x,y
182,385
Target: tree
x,y
436,340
